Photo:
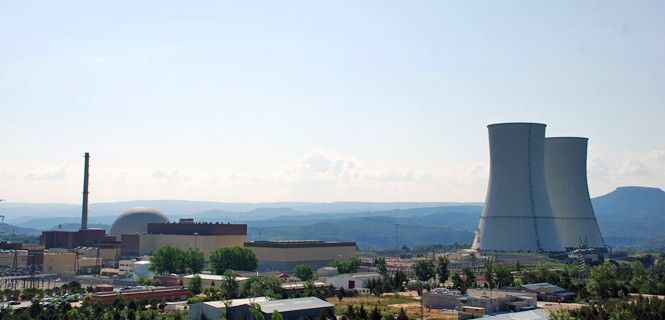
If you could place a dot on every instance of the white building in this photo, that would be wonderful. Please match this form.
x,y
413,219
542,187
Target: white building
x,y
517,214
352,281
126,267
141,269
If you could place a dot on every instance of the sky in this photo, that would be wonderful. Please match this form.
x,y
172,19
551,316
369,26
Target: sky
x,y
252,101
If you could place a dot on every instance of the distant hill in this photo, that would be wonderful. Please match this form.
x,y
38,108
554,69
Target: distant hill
x,y
631,216
627,216
7,229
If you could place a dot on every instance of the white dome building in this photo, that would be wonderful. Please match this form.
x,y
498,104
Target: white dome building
x,y
136,220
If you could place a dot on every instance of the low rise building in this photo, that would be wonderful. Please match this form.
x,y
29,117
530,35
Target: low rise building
x,y
285,255
142,294
208,280
238,309
490,301
352,281
549,292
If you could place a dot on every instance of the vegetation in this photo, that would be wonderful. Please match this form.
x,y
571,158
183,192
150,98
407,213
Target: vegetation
x,y
380,264
194,285
424,269
350,266
442,271
171,259
234,258
304,272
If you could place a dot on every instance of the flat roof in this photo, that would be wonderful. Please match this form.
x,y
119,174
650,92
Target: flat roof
x,y
285,305
236,302
300,244
544,286
537,314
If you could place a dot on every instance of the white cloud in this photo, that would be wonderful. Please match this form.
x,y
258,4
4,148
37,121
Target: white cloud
x,y
597,167
58,174
634,168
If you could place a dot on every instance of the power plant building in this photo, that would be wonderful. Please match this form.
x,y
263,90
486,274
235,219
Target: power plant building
x,y
566,176
517,215
285,255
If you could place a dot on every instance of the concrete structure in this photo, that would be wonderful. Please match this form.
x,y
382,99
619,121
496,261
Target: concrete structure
x,y
517,215
141,269
126,267
491,302
68,264
549,292
72,239
566,176
185,235
135,221
285,255
142,294
84,206
352,281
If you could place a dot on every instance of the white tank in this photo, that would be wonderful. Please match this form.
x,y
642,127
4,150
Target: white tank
x,y
566,176
517,215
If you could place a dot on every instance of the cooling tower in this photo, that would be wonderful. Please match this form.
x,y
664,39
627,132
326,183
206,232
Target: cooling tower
x,y
517,213
565,172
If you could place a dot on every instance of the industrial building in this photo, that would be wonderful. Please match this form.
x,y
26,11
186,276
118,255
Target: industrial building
x,y
566,176
185,234
480,302
290,309
285,255
142,294
352,281
517,215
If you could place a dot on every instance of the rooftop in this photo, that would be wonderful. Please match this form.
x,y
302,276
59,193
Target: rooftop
x,y
537,314
285,305
299,244
236,302
544,287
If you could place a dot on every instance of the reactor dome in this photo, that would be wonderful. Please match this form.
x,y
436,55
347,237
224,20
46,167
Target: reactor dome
x,y
136,220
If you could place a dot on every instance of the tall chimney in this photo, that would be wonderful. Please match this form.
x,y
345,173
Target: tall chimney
x,y
84,213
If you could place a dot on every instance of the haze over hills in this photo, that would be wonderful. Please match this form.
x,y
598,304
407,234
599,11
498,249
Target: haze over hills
x,y
627,216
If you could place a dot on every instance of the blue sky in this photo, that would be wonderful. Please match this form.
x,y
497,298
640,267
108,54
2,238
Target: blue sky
x,y
319,101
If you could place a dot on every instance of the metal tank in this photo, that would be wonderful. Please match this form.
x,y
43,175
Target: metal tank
x,y
517,215
566,177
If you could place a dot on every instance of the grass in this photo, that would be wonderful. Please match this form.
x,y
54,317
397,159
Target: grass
x,y
369,302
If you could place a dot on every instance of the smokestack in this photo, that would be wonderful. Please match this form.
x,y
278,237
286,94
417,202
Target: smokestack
x,y
84,213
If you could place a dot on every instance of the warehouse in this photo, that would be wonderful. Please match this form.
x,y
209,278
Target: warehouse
x,y
285,255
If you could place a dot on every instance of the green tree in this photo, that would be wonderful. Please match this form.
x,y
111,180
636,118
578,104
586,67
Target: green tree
x,y
229,285
424,269
375,314
257,314
560,314
304,272
402,315
442,271
350,266
503,276
167,259
469,277
380,264
276,315
194,285
194,260
602,283
234,258
489,273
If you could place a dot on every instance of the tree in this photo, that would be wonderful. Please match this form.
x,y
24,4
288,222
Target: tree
x,y
195,261
167,259
276,315
257,314
503,276
560,314
375,314
458,282
469,277
229,285
424,269
194,285
603,282
350,266
304,272
380,264
489,273
402,315
234,258
398,280
442,271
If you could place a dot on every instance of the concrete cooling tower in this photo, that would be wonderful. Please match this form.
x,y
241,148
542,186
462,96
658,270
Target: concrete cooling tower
x,y
517,213
565,172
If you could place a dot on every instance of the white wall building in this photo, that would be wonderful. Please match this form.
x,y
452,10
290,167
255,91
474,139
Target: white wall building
x,y
352,281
